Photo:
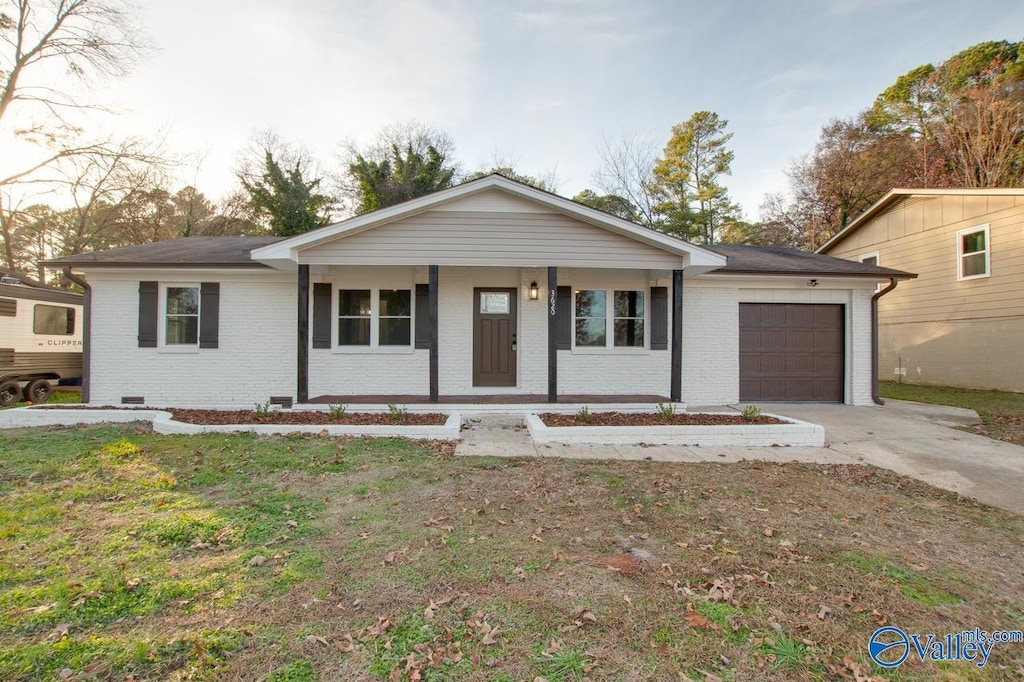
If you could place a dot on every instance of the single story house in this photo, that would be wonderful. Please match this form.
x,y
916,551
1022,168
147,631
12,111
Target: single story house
x,y
961,322
490,290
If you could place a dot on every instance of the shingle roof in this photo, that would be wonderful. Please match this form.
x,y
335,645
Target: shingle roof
x,y
234,252
220,251
778,260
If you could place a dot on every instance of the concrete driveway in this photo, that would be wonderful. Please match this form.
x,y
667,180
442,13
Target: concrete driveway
x,y
912,439
918,440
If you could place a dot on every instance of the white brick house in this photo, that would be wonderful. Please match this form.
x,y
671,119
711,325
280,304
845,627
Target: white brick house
x,y
491,288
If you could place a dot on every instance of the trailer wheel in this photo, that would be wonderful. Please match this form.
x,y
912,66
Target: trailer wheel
x,y
10,393
38,391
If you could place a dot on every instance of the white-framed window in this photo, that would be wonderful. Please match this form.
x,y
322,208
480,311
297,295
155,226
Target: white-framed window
x,y
179,316
610,318
375,318
870,259
973,253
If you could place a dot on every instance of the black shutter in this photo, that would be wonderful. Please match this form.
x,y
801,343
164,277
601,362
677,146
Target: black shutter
x,y
322,315
659,318
209,314
148,294
564,315
423,316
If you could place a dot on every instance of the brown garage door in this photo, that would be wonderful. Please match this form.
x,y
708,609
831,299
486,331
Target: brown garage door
x,y
791,351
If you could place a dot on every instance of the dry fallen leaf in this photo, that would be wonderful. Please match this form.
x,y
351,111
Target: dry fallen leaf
x,y
258,560
490,634
346,645
823,612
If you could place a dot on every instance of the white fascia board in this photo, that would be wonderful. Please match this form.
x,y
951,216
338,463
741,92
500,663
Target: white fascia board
x,y
289,248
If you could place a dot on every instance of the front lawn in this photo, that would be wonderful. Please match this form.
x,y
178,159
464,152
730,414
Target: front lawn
x,y
1001,412
129,554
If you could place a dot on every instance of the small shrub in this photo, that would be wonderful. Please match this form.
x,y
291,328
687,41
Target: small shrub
x,y
261,410
337,411
666,411
751,413
398,414
584,415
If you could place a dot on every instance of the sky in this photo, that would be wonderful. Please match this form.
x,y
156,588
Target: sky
x,y
542,82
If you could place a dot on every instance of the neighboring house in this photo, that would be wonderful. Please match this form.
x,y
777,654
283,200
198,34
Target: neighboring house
x,y
491,288
961,323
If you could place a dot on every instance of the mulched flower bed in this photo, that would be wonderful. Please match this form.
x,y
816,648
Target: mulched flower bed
x,y
653,419
306,417
217,417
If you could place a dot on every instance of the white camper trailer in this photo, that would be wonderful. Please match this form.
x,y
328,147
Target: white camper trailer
x,y
40,340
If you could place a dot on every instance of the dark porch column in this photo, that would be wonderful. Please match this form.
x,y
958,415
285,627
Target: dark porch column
x,y
675,392
553,335
432,322
302,374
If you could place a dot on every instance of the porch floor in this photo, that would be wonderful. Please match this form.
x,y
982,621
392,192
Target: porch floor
x,y
489,399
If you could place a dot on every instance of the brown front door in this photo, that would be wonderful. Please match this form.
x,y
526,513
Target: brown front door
x,y
494,337
791,352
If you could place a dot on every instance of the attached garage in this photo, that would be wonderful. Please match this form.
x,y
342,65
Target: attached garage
x,y
791,352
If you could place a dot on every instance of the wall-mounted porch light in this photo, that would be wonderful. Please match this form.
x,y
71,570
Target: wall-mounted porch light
x,y
534,291
812,282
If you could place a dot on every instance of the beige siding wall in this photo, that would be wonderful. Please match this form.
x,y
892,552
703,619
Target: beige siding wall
x,y
950,332
491,237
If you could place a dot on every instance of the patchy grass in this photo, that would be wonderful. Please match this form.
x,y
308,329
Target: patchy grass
x,y
125,553
1001,412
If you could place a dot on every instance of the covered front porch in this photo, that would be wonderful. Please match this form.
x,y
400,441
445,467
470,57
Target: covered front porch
x,y
470,335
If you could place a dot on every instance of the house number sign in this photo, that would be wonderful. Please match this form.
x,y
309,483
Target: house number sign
x,y
553,302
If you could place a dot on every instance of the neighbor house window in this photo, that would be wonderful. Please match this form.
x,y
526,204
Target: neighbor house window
x,y
973,252
375,317
354,313
53,319
610,318
395,317
870,259
181,316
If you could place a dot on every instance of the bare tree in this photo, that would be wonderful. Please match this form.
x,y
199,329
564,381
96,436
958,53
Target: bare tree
x,y
510,166
984,138
89,40
86,38
628,171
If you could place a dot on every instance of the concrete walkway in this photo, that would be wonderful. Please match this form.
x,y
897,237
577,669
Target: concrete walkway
x,y
909,438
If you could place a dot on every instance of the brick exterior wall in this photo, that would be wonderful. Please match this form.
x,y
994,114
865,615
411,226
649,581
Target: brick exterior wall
x,y
257,356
